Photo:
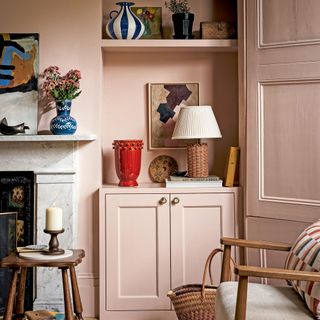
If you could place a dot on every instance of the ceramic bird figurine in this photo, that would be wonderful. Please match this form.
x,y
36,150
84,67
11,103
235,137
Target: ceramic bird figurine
x,y
11,130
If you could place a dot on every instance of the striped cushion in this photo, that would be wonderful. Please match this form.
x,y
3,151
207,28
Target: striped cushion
x,y
305,255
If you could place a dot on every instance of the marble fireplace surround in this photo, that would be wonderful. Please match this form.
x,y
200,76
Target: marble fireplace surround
x,y
54,161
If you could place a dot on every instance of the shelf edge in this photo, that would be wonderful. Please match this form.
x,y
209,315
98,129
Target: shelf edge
x,y
48,138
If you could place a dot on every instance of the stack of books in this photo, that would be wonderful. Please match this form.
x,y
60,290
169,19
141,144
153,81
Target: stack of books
x,y
182,182
32,248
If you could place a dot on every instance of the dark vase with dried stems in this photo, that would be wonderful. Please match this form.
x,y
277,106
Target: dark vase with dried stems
x,y
181,17
182,24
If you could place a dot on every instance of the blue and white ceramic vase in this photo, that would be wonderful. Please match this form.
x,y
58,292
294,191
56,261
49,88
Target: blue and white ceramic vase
x,y
63,123
125,24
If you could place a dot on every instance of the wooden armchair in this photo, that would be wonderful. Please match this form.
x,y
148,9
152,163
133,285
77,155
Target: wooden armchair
x,y
242,300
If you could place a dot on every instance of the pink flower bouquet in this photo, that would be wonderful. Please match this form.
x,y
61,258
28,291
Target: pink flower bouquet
x,y
60,87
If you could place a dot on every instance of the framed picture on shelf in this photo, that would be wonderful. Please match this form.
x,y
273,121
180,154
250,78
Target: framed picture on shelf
x,y
165,101
151,17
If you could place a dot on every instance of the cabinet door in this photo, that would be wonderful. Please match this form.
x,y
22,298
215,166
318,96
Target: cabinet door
x,y
198,222
138,252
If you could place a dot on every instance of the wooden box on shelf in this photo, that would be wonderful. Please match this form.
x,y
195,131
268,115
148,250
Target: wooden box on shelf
x,y
217,30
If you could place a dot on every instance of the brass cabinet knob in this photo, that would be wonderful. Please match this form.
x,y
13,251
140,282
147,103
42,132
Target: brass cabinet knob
x,y
175,200
163,200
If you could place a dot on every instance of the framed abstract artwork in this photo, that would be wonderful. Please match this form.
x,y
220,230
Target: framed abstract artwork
x,y
165,101
19,68
151,17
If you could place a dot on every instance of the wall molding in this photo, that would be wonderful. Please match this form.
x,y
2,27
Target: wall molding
x,y
88,276
273,45
261,166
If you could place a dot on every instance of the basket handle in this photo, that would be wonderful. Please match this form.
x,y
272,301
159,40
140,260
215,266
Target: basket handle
x,y
207,268
232,264
208,263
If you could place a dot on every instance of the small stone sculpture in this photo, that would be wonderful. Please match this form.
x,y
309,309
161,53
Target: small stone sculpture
x,y
11,130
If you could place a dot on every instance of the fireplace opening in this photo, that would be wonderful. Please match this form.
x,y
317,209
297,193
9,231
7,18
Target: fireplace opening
x,y
16,195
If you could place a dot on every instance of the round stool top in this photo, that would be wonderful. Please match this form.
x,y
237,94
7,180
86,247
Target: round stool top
x,y
40,256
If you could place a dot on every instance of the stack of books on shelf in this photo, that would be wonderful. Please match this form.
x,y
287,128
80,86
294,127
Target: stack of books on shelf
x,y
182,182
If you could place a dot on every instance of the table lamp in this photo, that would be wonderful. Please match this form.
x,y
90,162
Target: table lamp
x,y
196,122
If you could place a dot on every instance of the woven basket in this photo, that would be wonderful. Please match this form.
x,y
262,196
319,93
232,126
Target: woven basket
x,y
196,301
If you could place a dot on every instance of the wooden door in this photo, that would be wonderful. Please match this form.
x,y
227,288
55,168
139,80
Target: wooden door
x,y
198,221
137,252
283,109
283,122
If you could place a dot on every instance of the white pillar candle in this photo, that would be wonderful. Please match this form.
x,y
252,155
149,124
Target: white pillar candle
x,y
53,219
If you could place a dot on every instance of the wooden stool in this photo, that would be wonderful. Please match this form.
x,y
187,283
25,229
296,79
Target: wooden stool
x,y
19,267
39,315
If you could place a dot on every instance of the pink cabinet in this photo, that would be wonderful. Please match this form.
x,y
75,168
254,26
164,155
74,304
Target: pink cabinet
x,y
153,239
137,252
198,222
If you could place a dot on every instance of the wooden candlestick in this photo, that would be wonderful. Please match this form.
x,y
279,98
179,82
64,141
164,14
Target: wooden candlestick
x,y
54,243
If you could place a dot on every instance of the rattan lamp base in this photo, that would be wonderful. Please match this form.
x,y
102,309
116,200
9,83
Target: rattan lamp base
x,y
198,160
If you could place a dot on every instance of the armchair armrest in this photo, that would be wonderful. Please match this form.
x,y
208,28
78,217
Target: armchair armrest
x,y
276,273
228,242
256,244
248,271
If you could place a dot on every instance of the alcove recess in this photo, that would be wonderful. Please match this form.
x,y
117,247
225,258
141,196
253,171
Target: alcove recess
x,y
128,66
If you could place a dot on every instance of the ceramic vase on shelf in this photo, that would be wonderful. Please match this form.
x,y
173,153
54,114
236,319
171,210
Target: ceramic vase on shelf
x,y
63,123
127,161
125,24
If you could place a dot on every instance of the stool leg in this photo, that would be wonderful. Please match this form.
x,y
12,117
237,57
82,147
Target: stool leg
x,y
11,296
21,292
77,305
66,294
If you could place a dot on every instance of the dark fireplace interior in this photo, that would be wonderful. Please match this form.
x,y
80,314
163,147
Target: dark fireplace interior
x,y
16,195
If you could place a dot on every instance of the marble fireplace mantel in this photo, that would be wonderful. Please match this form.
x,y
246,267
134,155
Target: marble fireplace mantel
x,y
54,161
47,137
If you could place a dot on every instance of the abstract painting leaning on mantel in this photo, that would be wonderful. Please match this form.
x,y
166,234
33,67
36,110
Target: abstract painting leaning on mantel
x,y
19,59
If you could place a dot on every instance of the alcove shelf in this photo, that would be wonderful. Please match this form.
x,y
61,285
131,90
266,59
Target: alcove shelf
x,y
45,138
170,45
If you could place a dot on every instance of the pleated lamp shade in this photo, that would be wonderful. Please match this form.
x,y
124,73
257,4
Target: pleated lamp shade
x,y
196,122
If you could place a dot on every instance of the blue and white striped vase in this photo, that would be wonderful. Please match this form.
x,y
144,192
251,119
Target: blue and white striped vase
x,y
63,123
125,25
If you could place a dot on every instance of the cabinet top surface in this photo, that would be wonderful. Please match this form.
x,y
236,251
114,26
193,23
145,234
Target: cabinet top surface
x,y
160,188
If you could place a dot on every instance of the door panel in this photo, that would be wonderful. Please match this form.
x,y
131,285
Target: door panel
x,y
198,222
138,252
288,21
289,116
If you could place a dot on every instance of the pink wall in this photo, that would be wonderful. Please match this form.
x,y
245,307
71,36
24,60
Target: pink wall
x,y
125,103
69,37
70,33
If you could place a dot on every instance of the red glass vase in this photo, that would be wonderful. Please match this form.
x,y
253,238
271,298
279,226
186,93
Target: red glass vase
x,y
127,161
